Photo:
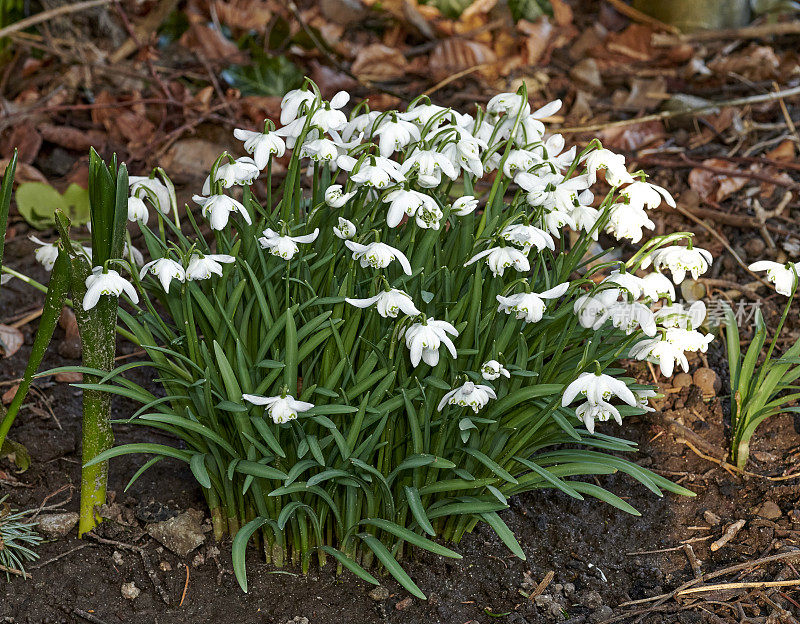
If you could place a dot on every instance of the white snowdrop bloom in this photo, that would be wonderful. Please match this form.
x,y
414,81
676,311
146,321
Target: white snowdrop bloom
x,y
530,128
155,190
676,315
688,339
527,236
46,254
360,124
412,203
509,103
585,219
784,276
378,255
661,352
329,117
519,160
464,206
320,150
430,166
137,210
346,229
627,221
388,303
291,103
165,270
555,220
597,388
656,285
613,164
217,209
394,134
493,369
530,307
131,253
680,260
629,282
294,129
422,114
471,395
262,145
601,412
593,310
107,282
646,195
552,191
551,153
281,409
642,399
334,196
374,171
630,316
242,171
284,246
500,258
204,266
424,339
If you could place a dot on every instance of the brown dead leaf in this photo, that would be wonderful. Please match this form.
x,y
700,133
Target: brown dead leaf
x,y
455,55
243,14
189,159
11,339
634,137
783,153
633,42
211,44
562,12
258,108
8,395
379,62
124,124
538,36
68,377
25,172
382,101
754,63
68,322
26,139
330,80
715,186
73,138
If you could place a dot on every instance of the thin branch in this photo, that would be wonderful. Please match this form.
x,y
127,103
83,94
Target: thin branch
x,y
50,14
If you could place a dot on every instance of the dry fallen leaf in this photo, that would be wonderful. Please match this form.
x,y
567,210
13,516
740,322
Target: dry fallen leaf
x,y
8,395
211,44
716,186
26,138
73,138
25,172
455,55
785,151
11,339
68,377
538,36
242,14
633,137
379,62
754,63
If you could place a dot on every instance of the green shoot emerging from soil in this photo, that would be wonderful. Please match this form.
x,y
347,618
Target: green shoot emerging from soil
x,y
18,538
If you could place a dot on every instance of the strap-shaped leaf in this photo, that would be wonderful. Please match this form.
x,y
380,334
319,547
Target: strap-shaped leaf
x,y
350,564
491,464
504,533
411,537
391,565
417,510
199,470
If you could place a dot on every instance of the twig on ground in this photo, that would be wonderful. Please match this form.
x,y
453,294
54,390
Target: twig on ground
x,y
747,32
548,578
731,532
57,557
726,586
50,14
642,18
456,76
694,562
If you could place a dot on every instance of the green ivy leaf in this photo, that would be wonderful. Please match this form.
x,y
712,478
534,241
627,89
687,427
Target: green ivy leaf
x,y
37,202
17,453
530,10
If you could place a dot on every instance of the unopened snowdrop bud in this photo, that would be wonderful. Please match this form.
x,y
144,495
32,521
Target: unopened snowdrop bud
x,y
106,282
137,210
784,276
596,388
204,266
680,260
471,395
424,339
46,254
217,209
464,206
346,229
656,286
529,307
378,255
389,303
261,145
281,409
613,164
493,369
662,352
165,270
500,258
334,196
285,246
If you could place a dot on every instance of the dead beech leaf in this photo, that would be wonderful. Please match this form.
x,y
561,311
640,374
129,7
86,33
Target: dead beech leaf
x,y
783,153
25,172
716,186
379,62
11,340
26,139
538,36
68,377
8,395
211,44
455,55
562,12
754,63
634,137
243,14
125,124
260,107
633,42
73,138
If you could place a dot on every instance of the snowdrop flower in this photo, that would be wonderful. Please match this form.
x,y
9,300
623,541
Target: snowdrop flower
x,y
430,166
107,282
530,129
375,171
465,153
241,171
661,352
334,196
628,316
46,254
262,145
642,397
217,209
284,246
676,315
165,270
627,221
509,103
329,117
421,114
679,260
585,219
131,253
593,310
551,191
468,395
555,220
414,204
395,134
597,388
137,209
529,307
291,103
527,236
493,369
551,153
646,195
519,160
613,164
500,258
320,150
601,411
630,283
656,285
424,339
282,408
378,255
359,124
203,266
784,276
389,303
153,189
346,229
464,206
688,339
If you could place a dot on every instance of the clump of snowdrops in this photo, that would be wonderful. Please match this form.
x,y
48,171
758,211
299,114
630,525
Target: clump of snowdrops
x,y
418,324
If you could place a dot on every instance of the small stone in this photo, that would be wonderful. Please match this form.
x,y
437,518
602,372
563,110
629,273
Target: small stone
x,y
116,557
682,380
708,382
181,534
592,599
165,566
130,591
794,516
298,619
755,247
57,525
769,510
404,603
712,518
379,593
199,559
601,614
